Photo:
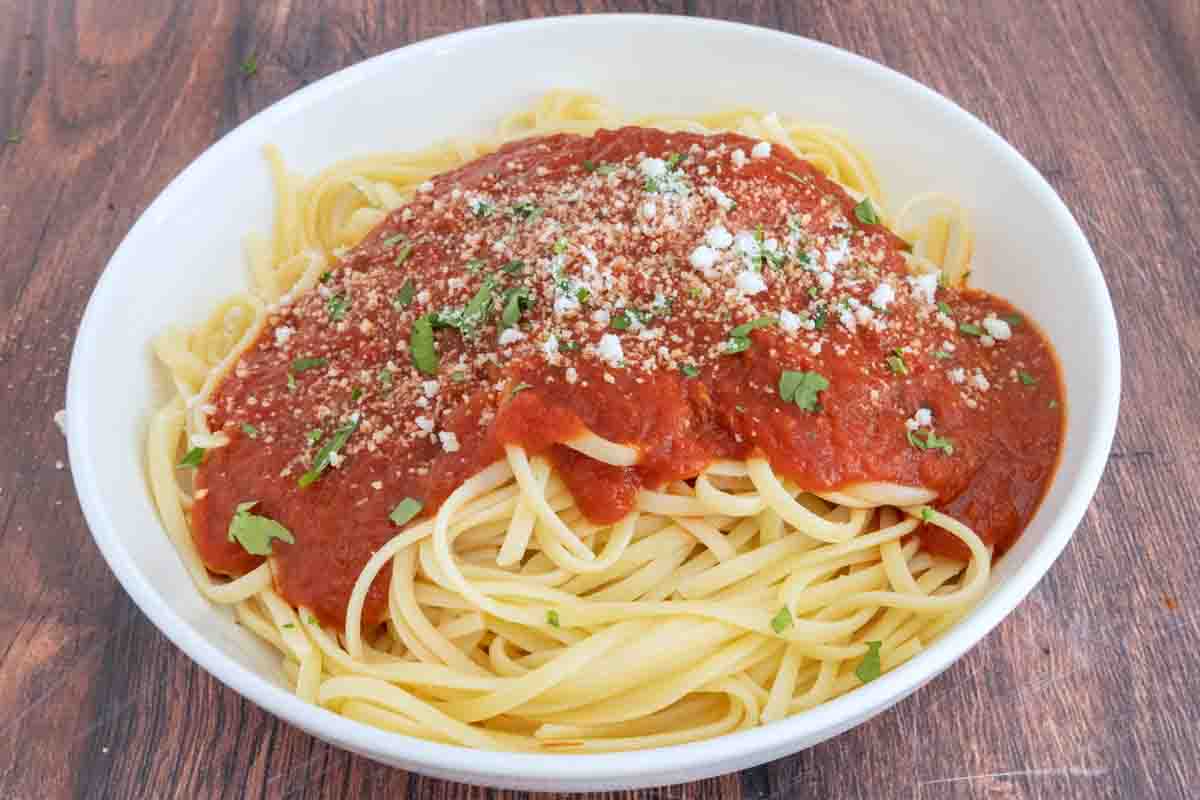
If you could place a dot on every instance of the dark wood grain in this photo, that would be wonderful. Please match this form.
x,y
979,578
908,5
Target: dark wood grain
x,y
1087,691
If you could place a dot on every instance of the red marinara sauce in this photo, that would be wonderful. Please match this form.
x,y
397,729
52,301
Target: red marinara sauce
x,y
599,283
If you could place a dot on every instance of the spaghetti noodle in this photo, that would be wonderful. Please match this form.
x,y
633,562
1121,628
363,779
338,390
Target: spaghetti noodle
x,y
539,443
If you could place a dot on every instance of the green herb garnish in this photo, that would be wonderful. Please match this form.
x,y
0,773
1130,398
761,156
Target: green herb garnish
x,y
866,213
191,459
926,513
403,255
944,307
513,267
405,510
249,66
1026,378
620,321
689,370
1013,319
941,355
392,241
527,211
424,349
314,436
870,668
802,388
552,618
781,621
356,395
249,430
254,533
325,455
407,292
970,329
337,305
931,442
896,363
302,364
515,301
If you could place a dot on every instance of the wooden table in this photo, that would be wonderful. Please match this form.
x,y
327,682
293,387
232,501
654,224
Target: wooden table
x,y
1090,689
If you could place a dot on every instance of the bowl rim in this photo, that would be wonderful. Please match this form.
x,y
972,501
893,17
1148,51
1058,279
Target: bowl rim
x,y
747,747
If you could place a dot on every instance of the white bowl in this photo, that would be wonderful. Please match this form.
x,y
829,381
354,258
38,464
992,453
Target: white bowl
x,y
185,253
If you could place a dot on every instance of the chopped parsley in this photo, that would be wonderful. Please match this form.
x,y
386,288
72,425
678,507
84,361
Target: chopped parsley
x,y
405,510
520,387
819,317
392,241
481,209
944,307
896,363
802,388
870,668
1013,319
314,436
1026,378
527,211
458,376
337,305
513,267
566,345
331,448
1053,404
250,66
689,371
302,364
514,302
583,294
866,213
14,137
476,265
620,321
356,395
552,618
926,513
191,459
403,255
288,626
743,330
291,382
249,430
424,349
254,533
407,292
970,329
781,621
931,442
739,337
941,355
561,246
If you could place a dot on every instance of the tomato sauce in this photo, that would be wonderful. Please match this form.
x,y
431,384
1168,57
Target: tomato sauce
x,y
597,283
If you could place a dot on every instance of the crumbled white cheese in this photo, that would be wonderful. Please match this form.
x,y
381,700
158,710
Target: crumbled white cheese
x,y
512,335
649,209
924,287
563,304
60,419
430,388
825,281
653,167
948,345
449,441
957,375
883,295
761,150
282,334
703,257
609,349
923,418
738,157
836,255
424,423
550,347
980,381
427,186
997,328
723,201
718,237
789,322
987,341
601,316
749,282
